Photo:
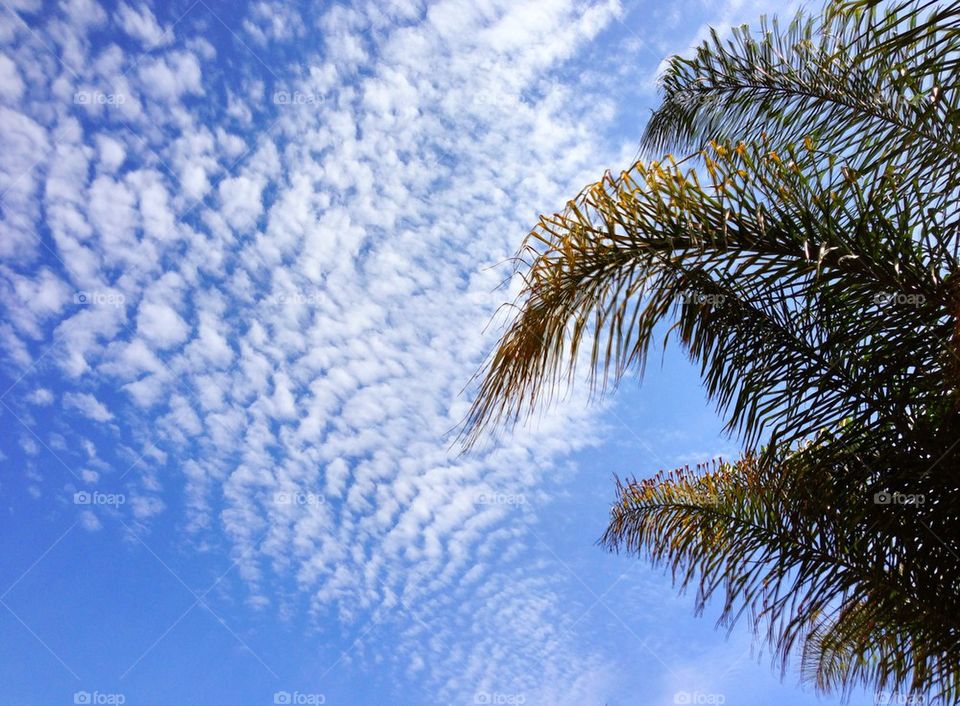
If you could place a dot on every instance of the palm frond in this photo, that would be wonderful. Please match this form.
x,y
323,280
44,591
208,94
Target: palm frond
x,y
774,269
810,559
873,83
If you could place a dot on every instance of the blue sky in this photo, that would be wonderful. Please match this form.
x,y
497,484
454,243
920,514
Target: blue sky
x,y
248,255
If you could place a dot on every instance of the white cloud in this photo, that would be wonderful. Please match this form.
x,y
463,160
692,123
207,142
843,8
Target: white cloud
x,y
26,5
82,334
29,445
11,84
147,391
84,13
156,212
282,405
161,325
142,25
24,145
88,405
32,301
271,21
115,220
169,78
210,347
241,201
194,181
111,153
146,506
231,145
131,360
89,521
41,396
14,349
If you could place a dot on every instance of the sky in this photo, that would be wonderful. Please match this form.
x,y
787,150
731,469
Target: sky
x,y
251,254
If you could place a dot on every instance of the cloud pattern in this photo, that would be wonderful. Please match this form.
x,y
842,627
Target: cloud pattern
x,y
260,278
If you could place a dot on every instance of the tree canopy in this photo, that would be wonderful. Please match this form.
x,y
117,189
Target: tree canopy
x,y
802,249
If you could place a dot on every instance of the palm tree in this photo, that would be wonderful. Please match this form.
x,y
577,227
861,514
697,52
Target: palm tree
x,y
804,253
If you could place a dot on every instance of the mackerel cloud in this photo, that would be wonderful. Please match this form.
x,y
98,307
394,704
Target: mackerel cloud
x,y
258,277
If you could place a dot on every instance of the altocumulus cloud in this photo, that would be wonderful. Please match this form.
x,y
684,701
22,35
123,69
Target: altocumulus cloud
x,y
268,287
